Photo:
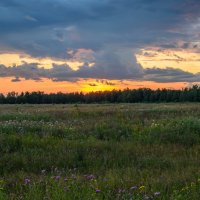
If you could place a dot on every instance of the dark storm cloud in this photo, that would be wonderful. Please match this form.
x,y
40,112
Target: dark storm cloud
x,y
170,75
110,64
111,28
48,28
65,73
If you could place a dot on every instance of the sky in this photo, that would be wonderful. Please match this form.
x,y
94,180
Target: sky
x,y
92,45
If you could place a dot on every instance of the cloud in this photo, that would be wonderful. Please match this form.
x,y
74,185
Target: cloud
x,y
92,84
49,28
105,82
170,75
29,18
16,79
110,64
66,73
104,33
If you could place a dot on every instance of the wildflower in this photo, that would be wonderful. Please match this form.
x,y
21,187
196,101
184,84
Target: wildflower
x,y
27,181
146,197
43,171
57,178
133,188
90,177
142,187
157,194
98,191
73,176
121,190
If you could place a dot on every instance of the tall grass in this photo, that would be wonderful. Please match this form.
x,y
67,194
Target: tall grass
x,y
139,151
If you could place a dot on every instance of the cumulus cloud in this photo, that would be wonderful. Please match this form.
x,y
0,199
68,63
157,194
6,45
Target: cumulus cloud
x,y
112,64
108,29
66,73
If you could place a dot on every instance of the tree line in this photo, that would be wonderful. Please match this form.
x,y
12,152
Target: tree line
x,y
191,94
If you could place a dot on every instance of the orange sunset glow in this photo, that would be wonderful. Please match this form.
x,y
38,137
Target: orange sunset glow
x,y
48,86
183,59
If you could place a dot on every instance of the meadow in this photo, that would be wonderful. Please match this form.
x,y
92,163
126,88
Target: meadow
x,y
100,151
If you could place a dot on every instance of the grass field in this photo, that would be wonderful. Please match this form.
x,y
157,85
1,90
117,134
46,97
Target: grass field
x,y
89,152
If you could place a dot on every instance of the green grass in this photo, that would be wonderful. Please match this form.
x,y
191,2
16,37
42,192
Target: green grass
x,y
108,151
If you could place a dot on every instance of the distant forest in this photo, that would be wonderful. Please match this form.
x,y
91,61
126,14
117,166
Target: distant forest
x,y
115,96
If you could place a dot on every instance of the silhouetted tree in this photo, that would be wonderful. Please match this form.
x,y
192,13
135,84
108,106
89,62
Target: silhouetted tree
x,y
116,96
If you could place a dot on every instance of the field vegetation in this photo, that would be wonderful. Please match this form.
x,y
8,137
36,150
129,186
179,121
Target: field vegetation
x,y
93,151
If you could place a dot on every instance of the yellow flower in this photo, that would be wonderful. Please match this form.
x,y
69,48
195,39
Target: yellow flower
x,y
142,187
